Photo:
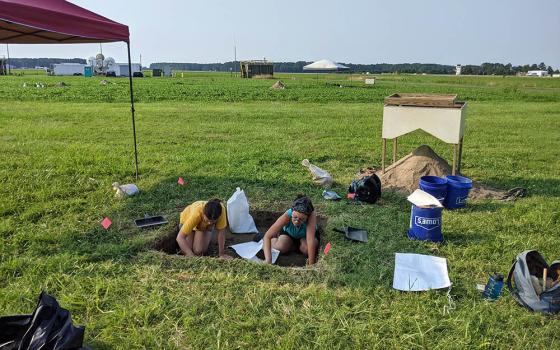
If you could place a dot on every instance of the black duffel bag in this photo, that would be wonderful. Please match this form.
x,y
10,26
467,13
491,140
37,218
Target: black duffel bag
x,y
366,189
49,327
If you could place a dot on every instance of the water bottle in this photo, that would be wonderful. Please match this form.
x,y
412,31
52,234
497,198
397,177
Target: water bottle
x,y
493,287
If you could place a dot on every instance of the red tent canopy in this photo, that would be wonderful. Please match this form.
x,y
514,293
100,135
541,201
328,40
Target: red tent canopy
x,y
55,21
61,22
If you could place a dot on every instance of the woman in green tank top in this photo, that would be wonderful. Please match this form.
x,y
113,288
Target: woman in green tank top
x,y
296,227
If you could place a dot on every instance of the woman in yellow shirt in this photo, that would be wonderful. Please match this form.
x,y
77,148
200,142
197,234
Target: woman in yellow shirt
x,y
195,228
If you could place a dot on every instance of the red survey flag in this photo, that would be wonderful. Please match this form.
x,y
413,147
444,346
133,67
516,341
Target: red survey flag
x,y
327,248
106,223
350,195
181,182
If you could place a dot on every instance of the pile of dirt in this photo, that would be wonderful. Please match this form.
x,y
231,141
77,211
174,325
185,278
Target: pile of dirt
x,y
404,175
278,86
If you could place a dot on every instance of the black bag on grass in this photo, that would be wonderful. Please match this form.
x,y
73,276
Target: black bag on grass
x,y
48,328
521,284
366,189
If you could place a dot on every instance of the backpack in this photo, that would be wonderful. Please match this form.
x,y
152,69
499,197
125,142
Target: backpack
x,y
528,263
366,189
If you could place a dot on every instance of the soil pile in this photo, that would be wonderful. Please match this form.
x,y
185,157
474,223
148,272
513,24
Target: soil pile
x,y
278,85
404,175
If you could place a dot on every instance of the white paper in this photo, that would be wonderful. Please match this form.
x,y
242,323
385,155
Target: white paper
x,y
249,251
417,272
423,199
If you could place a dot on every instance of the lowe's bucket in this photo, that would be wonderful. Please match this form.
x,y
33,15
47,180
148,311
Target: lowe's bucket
x,y
434,185
425,224
458,188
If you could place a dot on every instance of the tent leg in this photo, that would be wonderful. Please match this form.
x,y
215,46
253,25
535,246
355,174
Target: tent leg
x,y
132,107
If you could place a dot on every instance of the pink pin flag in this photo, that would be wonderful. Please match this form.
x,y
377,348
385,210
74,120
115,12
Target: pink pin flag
x,y
350,195
181,182
106,223
327,248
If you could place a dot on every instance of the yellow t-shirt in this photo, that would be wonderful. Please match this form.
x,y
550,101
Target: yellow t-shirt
x,y
192,218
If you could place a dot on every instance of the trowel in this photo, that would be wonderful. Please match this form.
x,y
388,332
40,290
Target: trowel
x,y
353,234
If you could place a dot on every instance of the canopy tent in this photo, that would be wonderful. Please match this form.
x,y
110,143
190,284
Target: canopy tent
x,y
326,65
61,22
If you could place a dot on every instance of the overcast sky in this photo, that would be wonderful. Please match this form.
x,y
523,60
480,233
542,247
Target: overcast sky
x,y
355,31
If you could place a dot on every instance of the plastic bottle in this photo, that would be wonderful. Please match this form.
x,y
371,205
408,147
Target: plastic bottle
x,y
493,287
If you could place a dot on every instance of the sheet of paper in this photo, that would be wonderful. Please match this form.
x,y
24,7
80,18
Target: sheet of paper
x,y
423,199
249,250
417,272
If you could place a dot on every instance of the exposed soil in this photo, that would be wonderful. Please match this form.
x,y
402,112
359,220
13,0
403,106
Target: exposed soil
x,y
404,175
263,220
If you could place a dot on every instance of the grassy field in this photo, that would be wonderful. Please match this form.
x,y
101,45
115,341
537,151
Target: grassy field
x,y
62,147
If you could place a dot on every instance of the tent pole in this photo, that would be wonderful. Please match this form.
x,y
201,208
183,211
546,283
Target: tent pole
x,y
132,107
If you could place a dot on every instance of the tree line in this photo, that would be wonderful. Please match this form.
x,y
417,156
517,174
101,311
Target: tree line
x,y
297,67
418,68
42,62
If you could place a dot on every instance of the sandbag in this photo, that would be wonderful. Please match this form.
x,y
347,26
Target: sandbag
x,y
48,328
239,219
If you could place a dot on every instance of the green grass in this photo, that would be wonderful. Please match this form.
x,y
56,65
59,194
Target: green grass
x,y
62,147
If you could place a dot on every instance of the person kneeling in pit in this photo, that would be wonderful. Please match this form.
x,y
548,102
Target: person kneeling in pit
x,y
297,226
196,224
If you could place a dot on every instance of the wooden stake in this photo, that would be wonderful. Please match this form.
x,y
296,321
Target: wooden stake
x,y
383,155
454,168
460,155
544,271
394,149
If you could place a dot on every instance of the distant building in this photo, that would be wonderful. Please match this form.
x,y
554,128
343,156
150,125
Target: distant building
x,y
458,69
259,68
121,69
68,68
537,73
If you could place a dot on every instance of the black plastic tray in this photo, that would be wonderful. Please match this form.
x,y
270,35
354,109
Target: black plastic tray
x,y
150,221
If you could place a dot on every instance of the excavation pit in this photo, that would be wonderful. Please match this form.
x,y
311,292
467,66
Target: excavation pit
x,y
263,221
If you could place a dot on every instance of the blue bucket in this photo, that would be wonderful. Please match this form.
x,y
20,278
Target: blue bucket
x,y
425,224
458,188
434,185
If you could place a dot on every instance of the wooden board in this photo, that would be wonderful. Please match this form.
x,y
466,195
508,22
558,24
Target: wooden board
x,y
421,100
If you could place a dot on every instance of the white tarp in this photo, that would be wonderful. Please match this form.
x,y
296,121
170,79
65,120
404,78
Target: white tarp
x,y
249,250
325,65
417,272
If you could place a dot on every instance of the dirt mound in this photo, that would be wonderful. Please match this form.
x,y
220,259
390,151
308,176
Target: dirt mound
x,y
404,175
278,86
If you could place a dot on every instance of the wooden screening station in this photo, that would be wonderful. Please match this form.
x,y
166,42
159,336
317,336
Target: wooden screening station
x,y
259,68
439,115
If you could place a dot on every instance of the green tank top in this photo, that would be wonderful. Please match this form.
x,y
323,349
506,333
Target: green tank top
x,y
297,232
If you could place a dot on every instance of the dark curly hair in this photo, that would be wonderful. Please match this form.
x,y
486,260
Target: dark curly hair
x,y
213,209
303,204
